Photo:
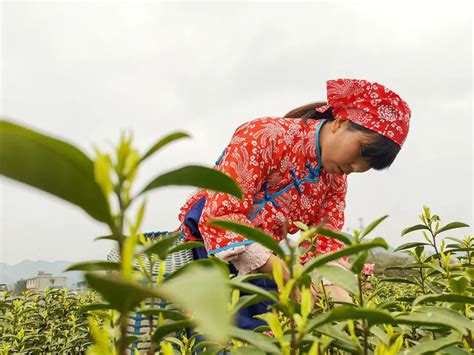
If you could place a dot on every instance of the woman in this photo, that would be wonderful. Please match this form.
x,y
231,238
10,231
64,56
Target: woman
x,y
294,168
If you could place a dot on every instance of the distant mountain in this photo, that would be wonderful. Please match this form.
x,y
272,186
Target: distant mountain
x,y
9,274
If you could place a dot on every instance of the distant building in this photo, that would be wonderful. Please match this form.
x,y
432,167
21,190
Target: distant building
x,y
45,280
3,287
82,287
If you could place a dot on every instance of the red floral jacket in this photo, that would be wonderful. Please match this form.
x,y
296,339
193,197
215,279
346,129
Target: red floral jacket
x,y
276,163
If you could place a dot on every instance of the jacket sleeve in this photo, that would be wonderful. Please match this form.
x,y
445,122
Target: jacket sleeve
x,y
248,160
333,209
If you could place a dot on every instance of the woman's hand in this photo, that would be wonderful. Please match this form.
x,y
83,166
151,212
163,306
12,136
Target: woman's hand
x,y
338,294
268,268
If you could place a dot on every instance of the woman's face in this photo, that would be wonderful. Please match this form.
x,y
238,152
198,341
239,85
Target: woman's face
x,y
341,148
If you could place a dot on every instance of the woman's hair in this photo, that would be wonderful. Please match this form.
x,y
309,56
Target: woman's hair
x,y
379,153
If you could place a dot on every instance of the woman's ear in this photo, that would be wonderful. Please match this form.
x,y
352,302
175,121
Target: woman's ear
x,y
338,123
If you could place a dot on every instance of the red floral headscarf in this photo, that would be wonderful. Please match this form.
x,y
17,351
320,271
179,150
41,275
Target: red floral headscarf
x,y
370,105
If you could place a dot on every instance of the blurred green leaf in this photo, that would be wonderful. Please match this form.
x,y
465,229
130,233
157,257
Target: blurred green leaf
x,y
409,246
325,258
372,226
436,316
252,233
122,295
336,332
398,280
95,265
203,290
198,176
459,284
206,262
336,235
248,300
170,327
166,313
94,307
108,237
341,277
448,297
253,289
246,350
342,313
359,262
432,346
260,341
301,225
53,166
164,141
185,246
161,246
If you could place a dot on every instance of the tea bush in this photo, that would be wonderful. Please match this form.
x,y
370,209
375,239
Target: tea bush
x,y
46,322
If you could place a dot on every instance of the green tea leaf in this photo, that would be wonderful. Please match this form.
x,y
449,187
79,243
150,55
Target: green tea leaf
x,y
204,290
399,280
246,350
163,142
301,225
260,341
122,295
107,237
452,225
372,316
248,300
185,246
409,246
448,297
325,258
53,166
337,333
432,346
166,313
253,289
414,228
341,277
198,176
95,265
458,285
162,246
252,233
336,235
168,328
358,263
437,316
372,226
94,307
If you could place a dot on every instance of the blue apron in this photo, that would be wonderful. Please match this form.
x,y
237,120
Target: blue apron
x,y
244,317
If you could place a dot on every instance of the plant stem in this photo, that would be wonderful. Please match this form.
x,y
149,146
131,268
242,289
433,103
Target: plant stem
x,y
435,247
422,281
364,322
326,301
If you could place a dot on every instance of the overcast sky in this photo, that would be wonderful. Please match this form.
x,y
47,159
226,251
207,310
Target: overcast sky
x,y
82,71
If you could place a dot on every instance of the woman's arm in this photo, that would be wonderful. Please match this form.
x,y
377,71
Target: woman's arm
x,y
247,160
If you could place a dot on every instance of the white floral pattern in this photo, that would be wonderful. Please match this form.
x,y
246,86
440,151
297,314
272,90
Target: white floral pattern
x,y
371,105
